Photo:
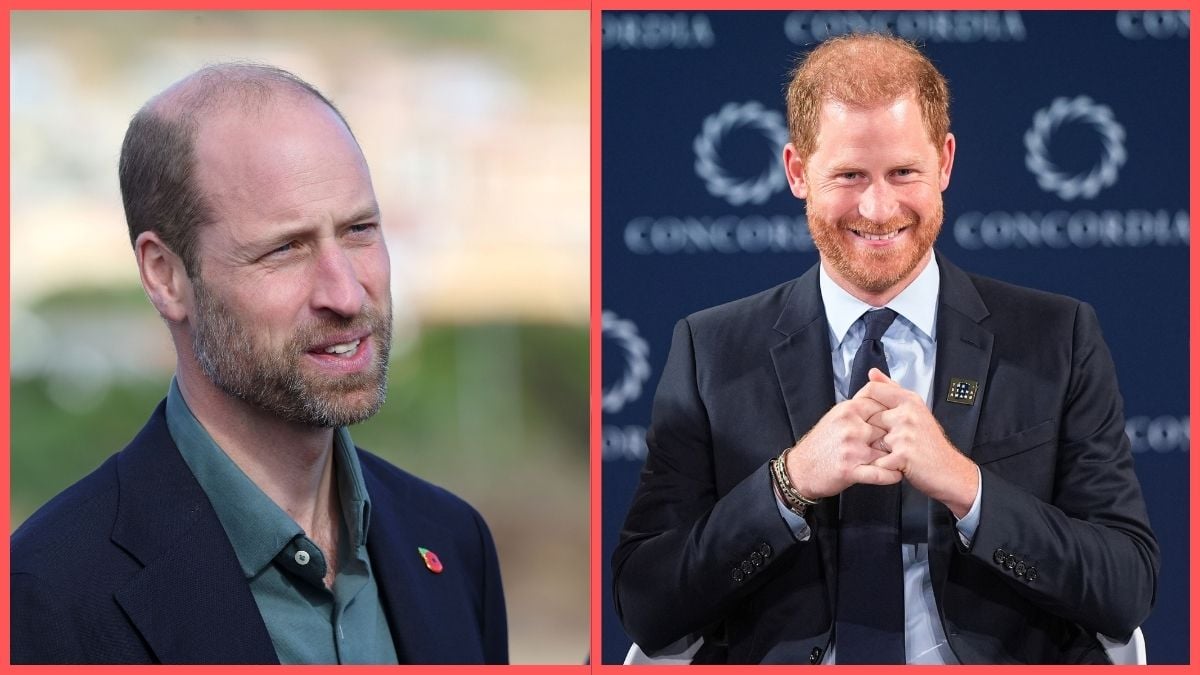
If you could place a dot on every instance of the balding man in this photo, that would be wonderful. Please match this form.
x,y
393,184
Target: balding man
x,y
962,490
242,525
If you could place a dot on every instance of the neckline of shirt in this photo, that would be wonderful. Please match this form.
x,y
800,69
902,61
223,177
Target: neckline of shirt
x,y
916,304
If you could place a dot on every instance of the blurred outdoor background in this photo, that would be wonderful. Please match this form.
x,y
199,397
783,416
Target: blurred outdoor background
x,y
475,126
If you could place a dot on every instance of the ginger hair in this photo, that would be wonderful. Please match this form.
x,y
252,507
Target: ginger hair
x,y
864,70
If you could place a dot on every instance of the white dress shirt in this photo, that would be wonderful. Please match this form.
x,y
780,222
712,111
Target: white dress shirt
x,y
910,346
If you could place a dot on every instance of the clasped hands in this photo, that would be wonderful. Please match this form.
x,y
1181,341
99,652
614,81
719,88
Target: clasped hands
x,y
881,435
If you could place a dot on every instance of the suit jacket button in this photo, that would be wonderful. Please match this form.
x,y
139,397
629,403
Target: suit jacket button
x,y
1020,568
765,549
999,556
1010,562
756,559
814,657
1031,573
738,575
747,567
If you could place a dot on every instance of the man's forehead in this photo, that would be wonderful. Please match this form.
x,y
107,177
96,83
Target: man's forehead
x,y
837,110
281,166
288,110
246,146
885,124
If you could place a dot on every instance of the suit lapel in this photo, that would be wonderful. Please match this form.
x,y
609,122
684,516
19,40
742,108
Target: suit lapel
x,y
406,603
425,610
194,606
964,351
804,368
191,603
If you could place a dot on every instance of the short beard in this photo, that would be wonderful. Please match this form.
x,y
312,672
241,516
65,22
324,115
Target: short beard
x,y
272,380
881,270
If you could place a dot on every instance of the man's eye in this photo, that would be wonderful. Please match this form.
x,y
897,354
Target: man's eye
x,y
362,228
283,249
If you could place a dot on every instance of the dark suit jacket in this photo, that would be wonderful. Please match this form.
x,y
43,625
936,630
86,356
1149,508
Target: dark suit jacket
x,y
131,565
746,379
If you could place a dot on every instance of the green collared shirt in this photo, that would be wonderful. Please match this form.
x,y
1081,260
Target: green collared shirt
x,y
308,622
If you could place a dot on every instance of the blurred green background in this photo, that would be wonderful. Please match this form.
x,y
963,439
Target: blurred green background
x,y
475,125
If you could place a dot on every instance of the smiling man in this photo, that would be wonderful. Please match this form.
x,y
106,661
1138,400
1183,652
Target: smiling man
x,y
242,525
962,490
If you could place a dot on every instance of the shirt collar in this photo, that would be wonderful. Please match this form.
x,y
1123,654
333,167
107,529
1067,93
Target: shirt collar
x,y
917,303
256,526
352,490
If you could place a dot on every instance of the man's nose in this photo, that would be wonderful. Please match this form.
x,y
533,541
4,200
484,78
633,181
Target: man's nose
x,y
878,202
337,287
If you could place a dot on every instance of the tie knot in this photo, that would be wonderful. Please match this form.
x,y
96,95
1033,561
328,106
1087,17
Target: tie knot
x,y
877,321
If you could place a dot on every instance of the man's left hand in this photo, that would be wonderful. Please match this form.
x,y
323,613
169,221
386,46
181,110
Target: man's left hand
x,y
917,446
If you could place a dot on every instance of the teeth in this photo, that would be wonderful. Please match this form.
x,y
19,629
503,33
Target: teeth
x,y
877,237
344,348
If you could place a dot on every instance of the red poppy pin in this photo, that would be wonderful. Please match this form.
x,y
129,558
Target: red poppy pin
x,y
431,560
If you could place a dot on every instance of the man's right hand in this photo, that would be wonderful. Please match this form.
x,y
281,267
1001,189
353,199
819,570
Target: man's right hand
x,y
836,453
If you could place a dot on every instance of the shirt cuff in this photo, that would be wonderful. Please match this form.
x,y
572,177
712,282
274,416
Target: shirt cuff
x,y
797,524
970,522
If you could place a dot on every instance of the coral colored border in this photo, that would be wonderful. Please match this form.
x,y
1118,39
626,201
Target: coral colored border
x,y
595,421
1194,330
5,343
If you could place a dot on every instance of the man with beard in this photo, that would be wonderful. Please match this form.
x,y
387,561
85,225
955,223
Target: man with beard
x,y
242,525
962,490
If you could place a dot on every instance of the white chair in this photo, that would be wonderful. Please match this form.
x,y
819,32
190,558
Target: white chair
x,y
1132,653
678,654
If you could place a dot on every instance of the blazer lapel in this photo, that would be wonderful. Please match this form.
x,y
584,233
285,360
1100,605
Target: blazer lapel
x,y
964,352
406,602
804,368
424,609
191,602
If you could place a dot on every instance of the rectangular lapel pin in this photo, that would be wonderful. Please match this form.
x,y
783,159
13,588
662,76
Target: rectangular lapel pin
x,y
962,391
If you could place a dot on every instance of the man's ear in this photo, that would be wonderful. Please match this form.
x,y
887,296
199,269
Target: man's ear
x,y
163,276
946,163
793,166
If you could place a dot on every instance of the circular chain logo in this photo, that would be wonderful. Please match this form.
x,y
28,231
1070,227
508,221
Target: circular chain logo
x,y
635,353
739,190
1053,179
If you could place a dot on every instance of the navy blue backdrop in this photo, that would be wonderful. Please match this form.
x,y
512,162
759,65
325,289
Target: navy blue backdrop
x,y
1071,175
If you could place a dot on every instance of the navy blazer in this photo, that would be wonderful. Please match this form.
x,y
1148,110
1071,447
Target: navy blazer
x,y
746,379
131,565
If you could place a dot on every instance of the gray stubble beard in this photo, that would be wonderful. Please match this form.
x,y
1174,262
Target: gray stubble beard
x,y
229,356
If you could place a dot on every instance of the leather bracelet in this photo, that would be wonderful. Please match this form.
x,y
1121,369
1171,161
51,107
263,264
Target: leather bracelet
x,y
796,502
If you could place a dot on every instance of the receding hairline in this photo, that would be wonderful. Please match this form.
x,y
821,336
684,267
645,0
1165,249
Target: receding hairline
x,y
157,166
244,85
